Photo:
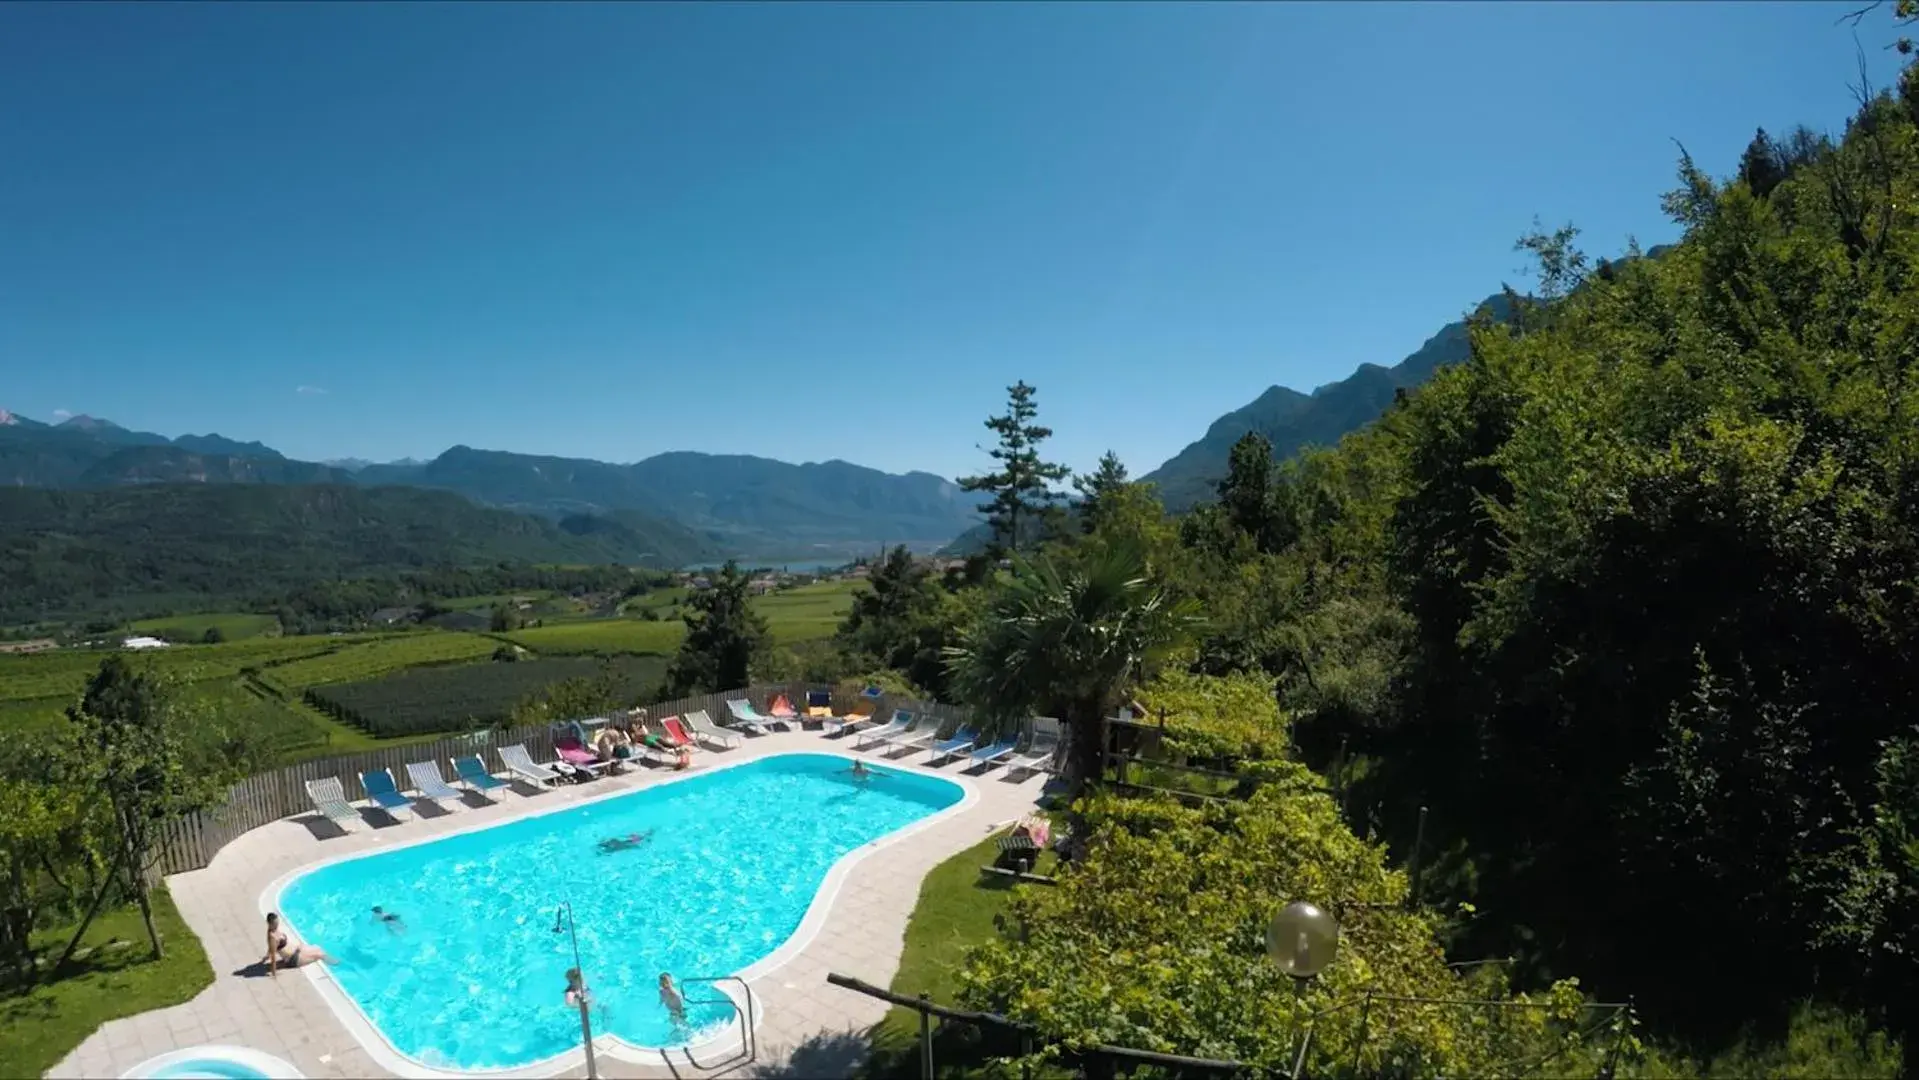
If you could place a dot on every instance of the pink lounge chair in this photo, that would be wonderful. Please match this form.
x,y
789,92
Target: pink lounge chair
x,y
571,752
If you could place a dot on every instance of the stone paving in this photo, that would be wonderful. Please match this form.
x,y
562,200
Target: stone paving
x,y
806,1028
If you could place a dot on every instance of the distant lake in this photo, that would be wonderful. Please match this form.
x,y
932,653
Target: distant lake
x,y
791,566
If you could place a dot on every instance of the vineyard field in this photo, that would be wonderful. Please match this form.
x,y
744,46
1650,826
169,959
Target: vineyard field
x,y
65,673
382,655
468,695
602,637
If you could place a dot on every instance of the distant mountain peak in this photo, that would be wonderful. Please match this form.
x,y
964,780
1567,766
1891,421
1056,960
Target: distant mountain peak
x,y
83,422
7,419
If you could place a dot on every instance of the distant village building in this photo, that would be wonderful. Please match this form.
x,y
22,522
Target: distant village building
x,y
391,615
143,643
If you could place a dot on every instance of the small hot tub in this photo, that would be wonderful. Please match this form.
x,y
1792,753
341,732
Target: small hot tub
x,y
213,1063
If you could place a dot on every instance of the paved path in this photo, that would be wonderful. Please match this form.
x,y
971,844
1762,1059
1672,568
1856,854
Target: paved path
x,y
808,1028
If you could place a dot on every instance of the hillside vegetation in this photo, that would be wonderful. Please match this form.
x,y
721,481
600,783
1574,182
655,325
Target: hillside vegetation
x,y
67,553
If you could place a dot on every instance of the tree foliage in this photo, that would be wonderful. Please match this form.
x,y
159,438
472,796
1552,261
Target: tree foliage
x,y
725,638
1021,482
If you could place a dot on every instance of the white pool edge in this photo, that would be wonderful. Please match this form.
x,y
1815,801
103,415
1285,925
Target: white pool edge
x,y
398,1062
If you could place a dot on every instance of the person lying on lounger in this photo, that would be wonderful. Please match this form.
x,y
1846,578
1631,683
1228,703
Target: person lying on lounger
x,y
624,843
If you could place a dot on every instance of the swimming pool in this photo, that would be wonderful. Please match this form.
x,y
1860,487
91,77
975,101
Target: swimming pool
x,y
472,976
214,1063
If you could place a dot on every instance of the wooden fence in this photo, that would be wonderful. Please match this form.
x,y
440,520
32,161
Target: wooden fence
x,y
190,842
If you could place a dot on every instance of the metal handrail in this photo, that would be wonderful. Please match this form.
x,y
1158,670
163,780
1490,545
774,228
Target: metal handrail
x,y
749,1042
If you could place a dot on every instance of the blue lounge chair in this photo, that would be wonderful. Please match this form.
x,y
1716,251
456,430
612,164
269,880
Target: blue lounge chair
x,y
379,787
429,783
472,773
945,748
986,755
901,723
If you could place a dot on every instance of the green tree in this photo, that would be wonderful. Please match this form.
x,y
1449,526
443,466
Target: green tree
x,y
126,744
1069,635
899,620
1021,484
725,638
1097,489
213,636
504,619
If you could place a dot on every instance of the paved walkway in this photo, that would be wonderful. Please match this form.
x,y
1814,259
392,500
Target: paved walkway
x,y
807,1027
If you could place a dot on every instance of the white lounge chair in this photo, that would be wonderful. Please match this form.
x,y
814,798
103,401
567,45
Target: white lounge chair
x,y
987,753
926,736
429,783
520,764
1041,747
745,716
330,799
901,723
705,730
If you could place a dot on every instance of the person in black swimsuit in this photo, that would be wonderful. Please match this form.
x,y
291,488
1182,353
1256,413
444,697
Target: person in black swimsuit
x,y
281,952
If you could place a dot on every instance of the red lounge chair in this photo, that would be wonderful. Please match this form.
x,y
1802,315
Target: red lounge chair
x,y
781,710
676,732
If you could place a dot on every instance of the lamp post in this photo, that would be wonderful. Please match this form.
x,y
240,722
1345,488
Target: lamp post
x,y
1301,941
576,991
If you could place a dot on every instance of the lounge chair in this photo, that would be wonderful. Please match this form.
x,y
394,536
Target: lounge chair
x,y
921,738
330,799
676,733
780,710
574,753
819,705
429,783
472,772
962,740
703,728
381,789
519,764
991,752
1041,748
745,717
901,723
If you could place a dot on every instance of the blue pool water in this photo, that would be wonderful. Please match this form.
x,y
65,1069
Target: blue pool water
x,y
209,1069
475,976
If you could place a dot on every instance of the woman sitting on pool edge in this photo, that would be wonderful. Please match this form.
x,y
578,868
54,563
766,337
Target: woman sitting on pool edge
x,y
282,952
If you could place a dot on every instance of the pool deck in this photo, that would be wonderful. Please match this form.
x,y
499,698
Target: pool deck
x,y
807,1027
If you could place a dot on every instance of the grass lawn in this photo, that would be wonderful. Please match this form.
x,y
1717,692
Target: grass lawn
x,y
42,1025
233,626
955,911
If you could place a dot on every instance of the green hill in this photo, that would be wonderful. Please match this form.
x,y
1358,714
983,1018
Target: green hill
x,y
65,553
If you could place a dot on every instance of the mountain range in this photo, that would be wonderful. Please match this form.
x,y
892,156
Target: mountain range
x,y
1292,421
733,503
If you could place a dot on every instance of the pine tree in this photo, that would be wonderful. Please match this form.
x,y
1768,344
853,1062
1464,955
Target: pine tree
x,y
725,637
1097,488
1020,486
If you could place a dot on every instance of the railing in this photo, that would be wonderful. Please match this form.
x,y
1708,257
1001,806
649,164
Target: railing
x,y
749,1043
190,842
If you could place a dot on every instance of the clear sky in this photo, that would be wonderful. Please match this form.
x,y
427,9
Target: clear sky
x,y
608,230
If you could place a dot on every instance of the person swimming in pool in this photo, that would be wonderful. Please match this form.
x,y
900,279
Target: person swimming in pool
x,y
389,919
861,772
624,843
670,997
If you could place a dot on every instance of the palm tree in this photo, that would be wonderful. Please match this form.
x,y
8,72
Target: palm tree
x,y
1068,635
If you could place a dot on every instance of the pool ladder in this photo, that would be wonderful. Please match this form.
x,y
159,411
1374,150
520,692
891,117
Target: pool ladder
x,y
749,1041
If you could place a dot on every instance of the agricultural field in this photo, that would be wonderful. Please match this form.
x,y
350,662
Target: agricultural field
x,y
808,612
470,695
64,673
380,655
601,637
232,625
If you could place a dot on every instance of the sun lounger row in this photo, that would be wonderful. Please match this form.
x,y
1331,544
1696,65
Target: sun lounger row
x,y
330,799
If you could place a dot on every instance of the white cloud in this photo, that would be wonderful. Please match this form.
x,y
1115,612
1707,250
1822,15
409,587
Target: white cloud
x,y
308,391
63,414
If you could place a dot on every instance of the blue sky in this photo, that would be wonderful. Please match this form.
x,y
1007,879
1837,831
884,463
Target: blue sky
x,y
817,231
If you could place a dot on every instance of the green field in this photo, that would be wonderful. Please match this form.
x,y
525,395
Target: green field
x,y
428,700
257,685
233,626
382,656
